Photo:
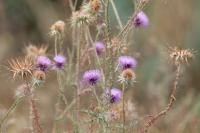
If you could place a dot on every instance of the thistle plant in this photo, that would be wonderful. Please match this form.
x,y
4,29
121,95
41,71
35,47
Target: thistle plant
x,y
96,66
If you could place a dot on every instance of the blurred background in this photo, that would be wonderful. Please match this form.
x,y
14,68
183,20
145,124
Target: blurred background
x,y
172,22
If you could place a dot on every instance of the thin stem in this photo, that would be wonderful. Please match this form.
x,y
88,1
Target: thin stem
x,y
172,99
123,107
107,22
71,5
116,14
10,110
75,4
65,110
55,45
96,96
78,50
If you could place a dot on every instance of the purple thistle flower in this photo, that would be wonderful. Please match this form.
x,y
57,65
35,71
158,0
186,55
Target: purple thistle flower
x,y
43,63
91,77
60,61
126,62
141,20
114,94
100,47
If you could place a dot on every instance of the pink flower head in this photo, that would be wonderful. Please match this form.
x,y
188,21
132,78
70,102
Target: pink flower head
x,y
91,77
126,62
60,61
141,20
43,63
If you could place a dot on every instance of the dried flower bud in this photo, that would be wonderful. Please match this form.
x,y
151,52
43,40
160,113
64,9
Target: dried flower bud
x,y
128,74
57,27
124,50
39,75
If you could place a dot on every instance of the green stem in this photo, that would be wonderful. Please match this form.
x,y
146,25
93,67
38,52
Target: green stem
x,y
116,14
12,108
55,43
123,105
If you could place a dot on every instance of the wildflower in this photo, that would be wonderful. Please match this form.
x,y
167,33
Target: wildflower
x,y
99,47
127,75
21,67
43,63
141,20
126,62
181,55
91,77
57,28
33,51
60,61
114,94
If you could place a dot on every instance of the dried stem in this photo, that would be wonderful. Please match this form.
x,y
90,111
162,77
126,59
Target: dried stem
x,y
78,53
107,22
34,114
35,117
172,99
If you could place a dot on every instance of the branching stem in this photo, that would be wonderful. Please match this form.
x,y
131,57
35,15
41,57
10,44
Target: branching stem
x,y
172,99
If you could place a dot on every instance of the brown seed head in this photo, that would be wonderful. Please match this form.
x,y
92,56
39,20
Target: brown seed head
x,y
58,27
39,75
124,50
128,74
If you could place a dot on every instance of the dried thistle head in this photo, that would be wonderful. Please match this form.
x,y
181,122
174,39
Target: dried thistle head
x,y
86,15
81,17
127,75
57,28
181,55
22,67
32,51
